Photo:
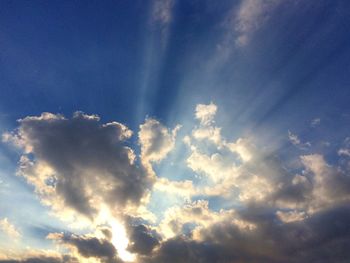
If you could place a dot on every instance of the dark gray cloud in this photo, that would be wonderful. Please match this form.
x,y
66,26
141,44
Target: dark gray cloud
x,y
181,249
88,246
142,239
80,162
42,259
320,186
324,237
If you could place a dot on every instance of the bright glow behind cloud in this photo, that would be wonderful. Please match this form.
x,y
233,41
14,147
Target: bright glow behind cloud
x,y
115,189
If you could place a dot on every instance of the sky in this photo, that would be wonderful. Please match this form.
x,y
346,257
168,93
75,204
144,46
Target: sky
x,y
174,131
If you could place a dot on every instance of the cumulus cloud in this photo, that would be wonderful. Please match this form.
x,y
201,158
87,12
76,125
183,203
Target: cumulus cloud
x,y
87,247
156,140
244,204
234,169
38,256
205,113
43,259
192,217
143,239
79,163
301,241
183,188
330,185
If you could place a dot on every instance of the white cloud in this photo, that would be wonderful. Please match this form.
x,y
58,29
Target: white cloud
x,y
344,152
243,147
156,140
208,132
205,113
183,188
234,169
294,139
345,149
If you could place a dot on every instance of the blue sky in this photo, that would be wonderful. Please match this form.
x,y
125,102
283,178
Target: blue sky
x,y
236,109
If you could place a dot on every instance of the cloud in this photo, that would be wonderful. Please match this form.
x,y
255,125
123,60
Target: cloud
x,y
183,188
291,216
345,149
156,140
78,164
205,113
233,169
344,152
331,185
161,17
9,229
294,139
38,256
142,239
43,259
242,22
162,11
251,16
305,241
191,217
238,201
87,247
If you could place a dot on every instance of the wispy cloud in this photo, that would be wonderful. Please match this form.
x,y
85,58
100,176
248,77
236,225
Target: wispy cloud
x,y
9,229
243,21
345,149
240,24
250,17
294,139
162,17
162,11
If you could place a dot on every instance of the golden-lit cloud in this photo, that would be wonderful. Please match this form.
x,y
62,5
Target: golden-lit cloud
x,y
234,196
9,229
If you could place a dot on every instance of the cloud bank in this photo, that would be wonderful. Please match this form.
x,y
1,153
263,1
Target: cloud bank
x,y
239,203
